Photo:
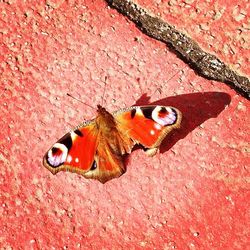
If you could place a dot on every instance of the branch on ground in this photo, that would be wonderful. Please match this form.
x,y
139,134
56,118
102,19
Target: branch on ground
x,y
205,64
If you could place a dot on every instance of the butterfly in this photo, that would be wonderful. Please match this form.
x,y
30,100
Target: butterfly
x,y
96,148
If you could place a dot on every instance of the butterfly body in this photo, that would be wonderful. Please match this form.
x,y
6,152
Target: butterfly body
x,y
95,149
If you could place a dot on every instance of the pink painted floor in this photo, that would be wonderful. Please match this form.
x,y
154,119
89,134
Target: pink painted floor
x,y
194,194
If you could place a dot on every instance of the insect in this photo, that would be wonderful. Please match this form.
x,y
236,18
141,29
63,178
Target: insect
x,y
95,148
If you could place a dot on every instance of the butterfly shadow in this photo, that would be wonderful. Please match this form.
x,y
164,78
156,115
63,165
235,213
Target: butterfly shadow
x,y
196,108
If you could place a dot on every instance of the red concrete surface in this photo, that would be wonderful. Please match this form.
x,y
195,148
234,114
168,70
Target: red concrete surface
x,y
194,194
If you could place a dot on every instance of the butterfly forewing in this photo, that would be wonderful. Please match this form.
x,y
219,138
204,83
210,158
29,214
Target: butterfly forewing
x,y
73,152
148,125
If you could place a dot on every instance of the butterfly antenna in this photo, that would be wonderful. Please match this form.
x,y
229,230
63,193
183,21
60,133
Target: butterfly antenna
x,y
104,91
80,101
170,78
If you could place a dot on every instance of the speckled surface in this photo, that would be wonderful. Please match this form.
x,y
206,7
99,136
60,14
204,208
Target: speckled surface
x,y
220,27
194,194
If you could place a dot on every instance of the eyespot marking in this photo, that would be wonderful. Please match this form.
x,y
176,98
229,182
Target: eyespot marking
x,y
164,116
54,150
57,155
163,112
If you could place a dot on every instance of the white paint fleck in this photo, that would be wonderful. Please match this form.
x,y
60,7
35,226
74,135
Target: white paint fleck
x,y
196,234
152,132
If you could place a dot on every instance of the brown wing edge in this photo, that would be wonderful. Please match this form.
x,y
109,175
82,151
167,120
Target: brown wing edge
x,y
65,168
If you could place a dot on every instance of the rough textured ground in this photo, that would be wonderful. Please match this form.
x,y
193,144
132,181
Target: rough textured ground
x,y
193,195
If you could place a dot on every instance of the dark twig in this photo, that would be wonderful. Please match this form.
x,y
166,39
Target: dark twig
x,y
205,64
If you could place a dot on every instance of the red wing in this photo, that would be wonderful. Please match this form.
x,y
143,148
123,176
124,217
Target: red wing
x,y
148,125
108,165
73,152
86,152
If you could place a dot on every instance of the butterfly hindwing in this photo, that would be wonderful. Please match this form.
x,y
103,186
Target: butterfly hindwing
x,y
108,164
111,147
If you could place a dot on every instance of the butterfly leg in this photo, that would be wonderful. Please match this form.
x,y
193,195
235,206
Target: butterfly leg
x,y
151,151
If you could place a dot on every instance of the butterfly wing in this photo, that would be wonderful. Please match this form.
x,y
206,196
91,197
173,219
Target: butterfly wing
x,y
112,145
148,125
95,149
108,161
74,152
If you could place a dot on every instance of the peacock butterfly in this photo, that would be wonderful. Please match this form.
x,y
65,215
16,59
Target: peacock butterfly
x,y
95,148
